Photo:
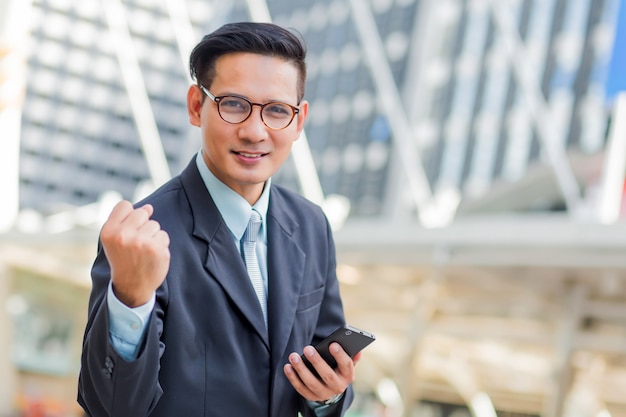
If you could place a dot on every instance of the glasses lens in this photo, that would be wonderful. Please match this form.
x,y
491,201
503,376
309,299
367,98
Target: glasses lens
x,y
277,115
234,109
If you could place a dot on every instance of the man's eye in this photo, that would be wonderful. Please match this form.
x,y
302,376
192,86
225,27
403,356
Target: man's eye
x,y
233,104
278,109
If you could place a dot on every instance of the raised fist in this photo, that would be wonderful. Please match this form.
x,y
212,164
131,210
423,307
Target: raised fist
x,y
138,252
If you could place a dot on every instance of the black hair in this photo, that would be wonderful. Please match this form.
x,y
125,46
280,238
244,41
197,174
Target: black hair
x,y
258,38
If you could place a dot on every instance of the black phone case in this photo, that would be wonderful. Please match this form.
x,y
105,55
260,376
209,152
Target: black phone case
x,y
351,339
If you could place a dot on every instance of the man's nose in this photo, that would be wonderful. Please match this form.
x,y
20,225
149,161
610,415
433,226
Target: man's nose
x,y
253,128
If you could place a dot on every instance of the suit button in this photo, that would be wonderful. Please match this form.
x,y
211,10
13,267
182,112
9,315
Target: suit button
x,y
107,371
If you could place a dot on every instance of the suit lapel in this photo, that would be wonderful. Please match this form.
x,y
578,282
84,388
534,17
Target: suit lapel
x,y
223,259
226,266
285,263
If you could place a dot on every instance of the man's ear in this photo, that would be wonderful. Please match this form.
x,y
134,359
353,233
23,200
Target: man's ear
x,y
302,115
194,104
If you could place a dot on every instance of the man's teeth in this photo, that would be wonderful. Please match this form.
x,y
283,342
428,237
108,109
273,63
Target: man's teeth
x,y
249,155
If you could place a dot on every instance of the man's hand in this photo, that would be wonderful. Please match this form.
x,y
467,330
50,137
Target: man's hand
x,y
331,381
138,252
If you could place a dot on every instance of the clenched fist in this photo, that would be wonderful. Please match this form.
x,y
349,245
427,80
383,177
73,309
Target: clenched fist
x,y
138,252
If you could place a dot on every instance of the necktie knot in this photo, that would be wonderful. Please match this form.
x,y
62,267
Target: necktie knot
x,y
254,224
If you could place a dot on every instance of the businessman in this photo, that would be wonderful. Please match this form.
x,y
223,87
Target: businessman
x,y
206,293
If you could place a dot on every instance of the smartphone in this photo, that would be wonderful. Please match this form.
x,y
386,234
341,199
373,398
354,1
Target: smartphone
x,y
351,339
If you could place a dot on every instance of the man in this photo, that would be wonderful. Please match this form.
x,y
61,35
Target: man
x,y
177,325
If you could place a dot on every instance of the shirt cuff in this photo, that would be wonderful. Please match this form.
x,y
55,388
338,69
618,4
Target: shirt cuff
x,y
322,410
127,325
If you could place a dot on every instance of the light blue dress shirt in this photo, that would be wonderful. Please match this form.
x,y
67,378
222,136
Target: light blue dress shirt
x,y
127,325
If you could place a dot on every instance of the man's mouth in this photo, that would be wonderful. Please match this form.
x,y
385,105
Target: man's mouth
x,y
250,155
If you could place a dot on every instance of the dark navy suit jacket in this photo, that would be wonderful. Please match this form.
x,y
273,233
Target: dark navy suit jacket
x,y
206,351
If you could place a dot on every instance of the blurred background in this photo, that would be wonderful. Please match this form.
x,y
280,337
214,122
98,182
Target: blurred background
x,y
470,155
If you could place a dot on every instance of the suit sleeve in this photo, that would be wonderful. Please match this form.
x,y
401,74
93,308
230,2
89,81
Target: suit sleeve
x,y
108,384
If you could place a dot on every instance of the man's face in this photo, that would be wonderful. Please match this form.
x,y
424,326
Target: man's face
x,y
243,156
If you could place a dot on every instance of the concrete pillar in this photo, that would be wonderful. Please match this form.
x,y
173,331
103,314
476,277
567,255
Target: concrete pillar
x,y
13,35
7,369
563,373
612,183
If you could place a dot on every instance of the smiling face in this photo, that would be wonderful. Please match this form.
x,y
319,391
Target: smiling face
x,y
243,156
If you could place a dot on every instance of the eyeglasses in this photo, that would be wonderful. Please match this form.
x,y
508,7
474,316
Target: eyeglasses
x,y
236,109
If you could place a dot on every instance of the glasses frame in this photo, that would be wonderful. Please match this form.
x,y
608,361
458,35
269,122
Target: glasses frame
x,y
217,99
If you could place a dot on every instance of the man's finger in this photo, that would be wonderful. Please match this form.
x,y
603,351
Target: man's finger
x,y
150,228
120,211
124,209
148,208
137,218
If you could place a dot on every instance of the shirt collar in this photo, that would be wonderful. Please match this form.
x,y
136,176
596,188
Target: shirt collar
x,y
235,210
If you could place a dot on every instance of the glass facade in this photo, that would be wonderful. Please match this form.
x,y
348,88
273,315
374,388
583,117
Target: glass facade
x,y
469,113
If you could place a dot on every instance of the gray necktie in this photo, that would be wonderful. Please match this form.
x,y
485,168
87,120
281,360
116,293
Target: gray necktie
x,y
248,248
